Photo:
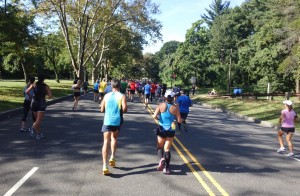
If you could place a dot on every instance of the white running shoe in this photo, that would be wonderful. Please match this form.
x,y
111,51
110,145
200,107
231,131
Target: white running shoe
x,y
291,154
40,136
281,150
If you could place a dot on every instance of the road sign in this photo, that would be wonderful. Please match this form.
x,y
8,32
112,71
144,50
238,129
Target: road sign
x,y
193,79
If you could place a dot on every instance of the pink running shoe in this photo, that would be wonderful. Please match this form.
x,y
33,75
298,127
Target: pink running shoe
x,y
161,164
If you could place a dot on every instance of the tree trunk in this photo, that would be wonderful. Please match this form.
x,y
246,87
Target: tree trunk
x,y
298,88
24,72
56,76
95,73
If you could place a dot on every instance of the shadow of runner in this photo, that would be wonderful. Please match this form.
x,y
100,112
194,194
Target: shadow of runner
x,y
176,170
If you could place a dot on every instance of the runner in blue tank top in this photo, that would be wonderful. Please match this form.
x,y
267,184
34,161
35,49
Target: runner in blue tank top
x,y
114,105
147,89
166,113
184,103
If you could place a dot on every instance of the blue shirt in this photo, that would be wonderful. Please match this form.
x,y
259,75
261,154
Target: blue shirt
x,y
96,86
166,119
147,89
113,106
184,103
108,89
26,96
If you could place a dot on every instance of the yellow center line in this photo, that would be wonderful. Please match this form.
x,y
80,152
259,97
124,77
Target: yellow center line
x,y
211,179
202,182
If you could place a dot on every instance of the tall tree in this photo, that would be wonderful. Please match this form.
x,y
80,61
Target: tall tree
x,y
17,39
51,48
84,24
193,55
290,44
166,56
217,7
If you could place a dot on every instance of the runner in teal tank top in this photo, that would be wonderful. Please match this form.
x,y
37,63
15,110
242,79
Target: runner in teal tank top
x,y
114,105
166,113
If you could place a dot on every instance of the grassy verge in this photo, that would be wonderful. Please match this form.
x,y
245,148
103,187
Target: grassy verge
x,y
11,92
262,109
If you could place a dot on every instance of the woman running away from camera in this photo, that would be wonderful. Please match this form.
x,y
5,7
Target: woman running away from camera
x,y
38,105
166,113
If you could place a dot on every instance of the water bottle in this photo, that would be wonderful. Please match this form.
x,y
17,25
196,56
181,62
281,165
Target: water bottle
x,y
173,126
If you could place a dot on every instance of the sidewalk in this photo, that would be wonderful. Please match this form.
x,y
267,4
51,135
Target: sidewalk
x,y
13,112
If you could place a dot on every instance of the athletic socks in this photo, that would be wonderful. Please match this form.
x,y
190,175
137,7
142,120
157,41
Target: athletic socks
x,y
160,153
167,158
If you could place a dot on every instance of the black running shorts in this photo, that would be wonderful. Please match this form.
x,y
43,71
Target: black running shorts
x,y
288,129
76,94
107,128
38,106
183,115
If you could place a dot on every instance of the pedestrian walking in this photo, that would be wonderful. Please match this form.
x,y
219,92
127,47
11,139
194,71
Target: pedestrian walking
x,y
286,120
114,105
184,102
38,105
26,104
166,113
193,89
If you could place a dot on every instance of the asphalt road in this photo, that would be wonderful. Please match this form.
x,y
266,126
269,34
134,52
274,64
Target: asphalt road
x,y
219,155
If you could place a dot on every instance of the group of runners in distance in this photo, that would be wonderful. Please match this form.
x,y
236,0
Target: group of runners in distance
x,y
112,95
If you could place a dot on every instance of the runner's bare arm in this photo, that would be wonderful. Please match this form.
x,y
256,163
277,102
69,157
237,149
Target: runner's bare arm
x,y
102,107
124,104
156,113
28,90
179,120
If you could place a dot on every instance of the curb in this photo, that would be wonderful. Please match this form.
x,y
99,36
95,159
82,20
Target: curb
x,y
13,112
249,119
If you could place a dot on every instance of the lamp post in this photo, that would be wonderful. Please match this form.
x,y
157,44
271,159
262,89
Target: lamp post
x,y
172,71
229,70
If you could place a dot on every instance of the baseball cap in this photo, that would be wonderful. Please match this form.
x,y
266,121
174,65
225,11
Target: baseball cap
x,y
288,102
169,92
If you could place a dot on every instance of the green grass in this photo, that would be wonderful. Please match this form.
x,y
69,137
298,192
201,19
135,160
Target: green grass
x,y
11,92
262,109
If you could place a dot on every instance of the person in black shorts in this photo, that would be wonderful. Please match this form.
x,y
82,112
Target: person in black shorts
x,y
85,86
96,91
76,89
26,104
114,105
166,113
38,105
184,103
287,121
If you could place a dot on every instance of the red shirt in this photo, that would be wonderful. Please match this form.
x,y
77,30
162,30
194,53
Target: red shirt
x,y
132,85
153,88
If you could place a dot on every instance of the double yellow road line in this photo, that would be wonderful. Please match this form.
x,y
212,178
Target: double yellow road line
x,y
198,164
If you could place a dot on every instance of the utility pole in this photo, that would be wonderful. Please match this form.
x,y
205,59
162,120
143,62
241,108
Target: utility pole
x,y
229,70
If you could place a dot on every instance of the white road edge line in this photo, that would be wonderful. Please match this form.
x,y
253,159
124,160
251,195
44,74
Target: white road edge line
x,y
16,186
292,157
